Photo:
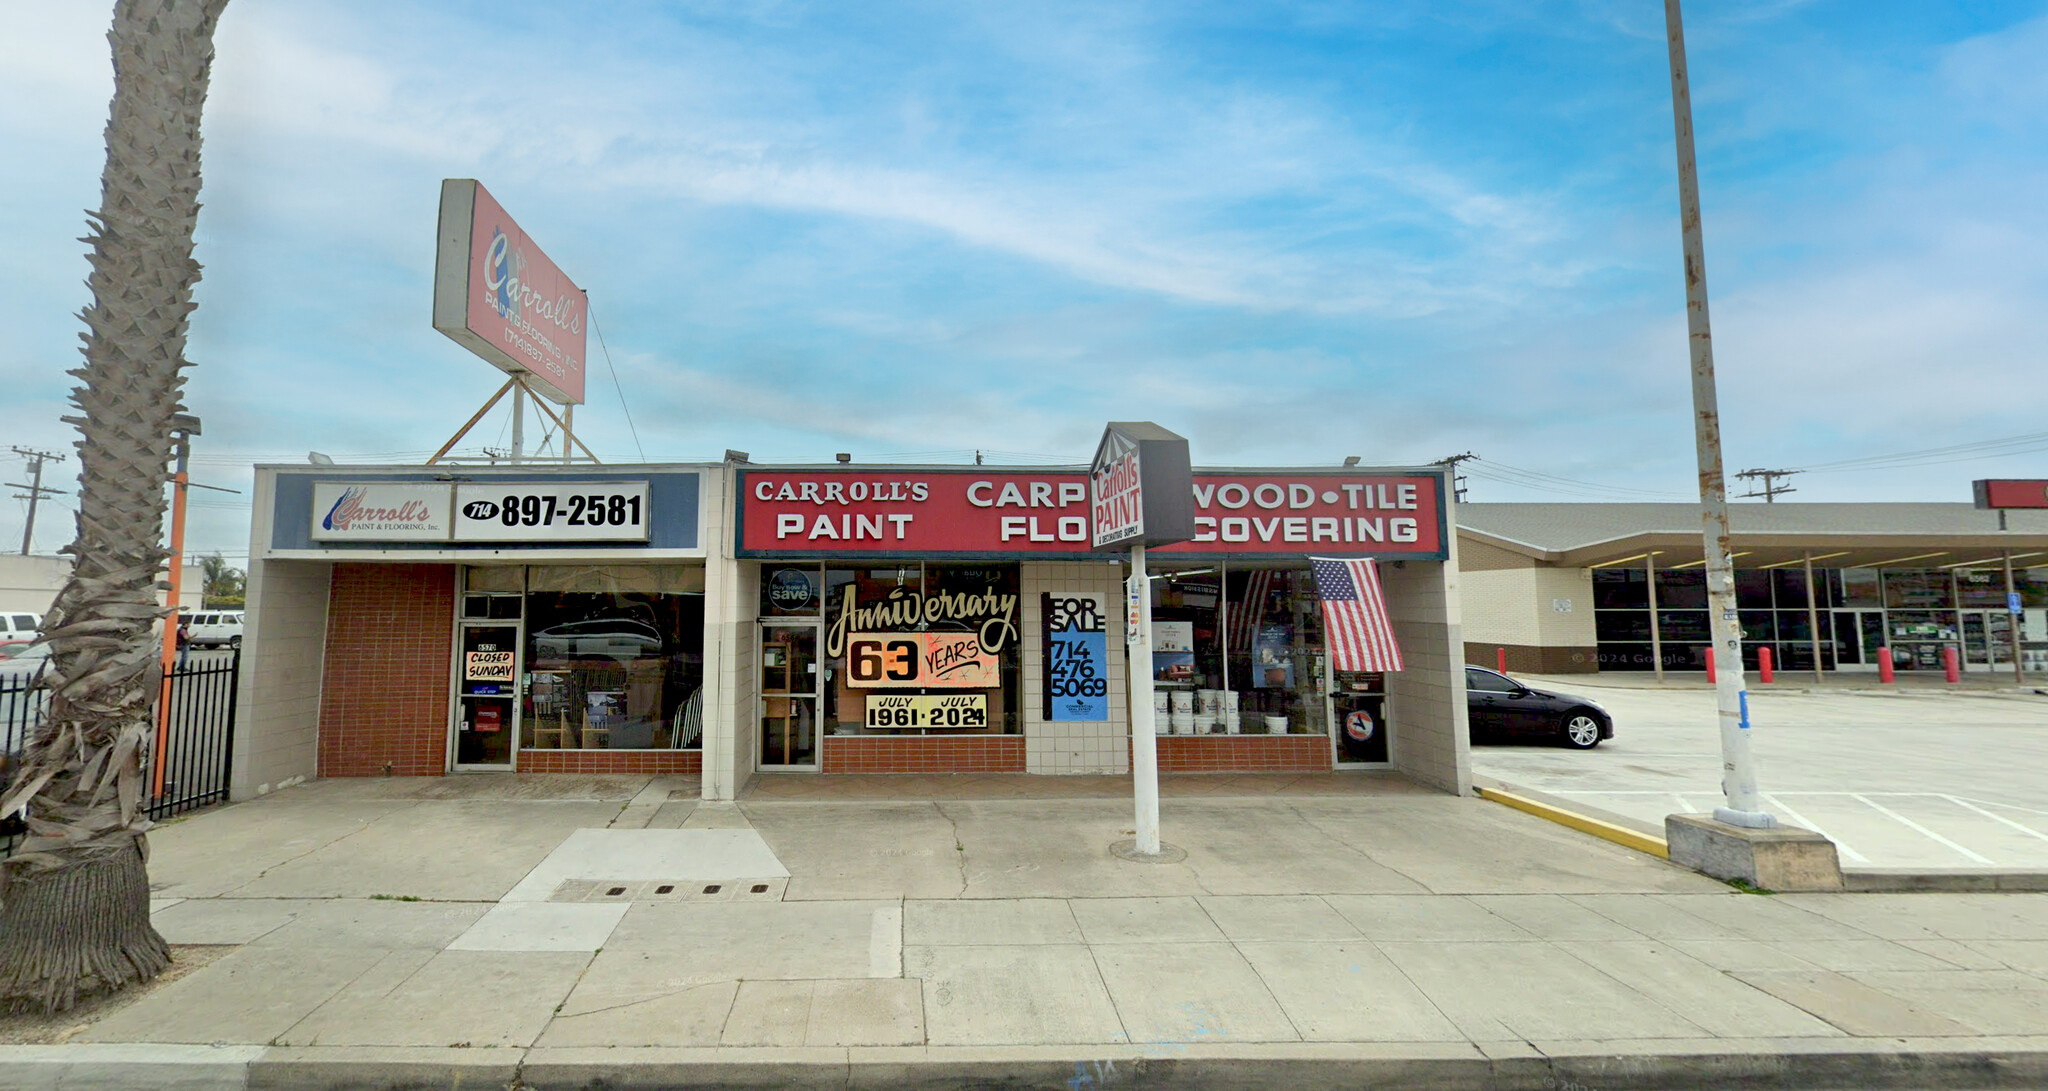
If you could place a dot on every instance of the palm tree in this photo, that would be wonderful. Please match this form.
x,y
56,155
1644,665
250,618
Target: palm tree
x,y
74,899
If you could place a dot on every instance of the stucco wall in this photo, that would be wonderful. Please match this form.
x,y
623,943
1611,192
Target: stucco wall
x,y
1426,700
277,720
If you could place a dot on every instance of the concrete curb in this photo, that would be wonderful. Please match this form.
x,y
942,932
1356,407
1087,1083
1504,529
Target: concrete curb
x,y
1873,880
1627,833
1502,1066
1524,801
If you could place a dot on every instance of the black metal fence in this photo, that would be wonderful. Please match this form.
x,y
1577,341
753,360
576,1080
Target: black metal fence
x,y
199,738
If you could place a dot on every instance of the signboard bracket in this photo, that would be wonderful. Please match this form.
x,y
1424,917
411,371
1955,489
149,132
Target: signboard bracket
x,y
471,422
519,381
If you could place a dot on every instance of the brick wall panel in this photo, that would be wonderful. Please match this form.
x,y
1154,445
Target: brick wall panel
x,y
1243,754
923,754
384,695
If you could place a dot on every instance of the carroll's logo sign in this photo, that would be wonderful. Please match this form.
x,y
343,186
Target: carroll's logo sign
x,y
1139,487
380,511
1116,511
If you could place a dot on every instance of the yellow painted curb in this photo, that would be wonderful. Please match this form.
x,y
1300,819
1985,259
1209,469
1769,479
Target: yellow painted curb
x,y
1606,831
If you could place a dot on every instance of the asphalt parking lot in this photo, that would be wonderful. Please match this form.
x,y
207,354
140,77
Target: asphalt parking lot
x,y
1907,778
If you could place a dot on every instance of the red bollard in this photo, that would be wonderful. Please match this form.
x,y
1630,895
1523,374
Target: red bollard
x,y
1710,666
1951,670
1500,659
1884,665
1763,665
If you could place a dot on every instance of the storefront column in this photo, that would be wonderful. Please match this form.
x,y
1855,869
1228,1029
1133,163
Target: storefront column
x,y
1426,701
1812,613
1656,631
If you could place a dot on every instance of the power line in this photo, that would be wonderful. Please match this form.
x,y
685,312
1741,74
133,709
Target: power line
x,y
1770,489
34,492
615,384
1961,452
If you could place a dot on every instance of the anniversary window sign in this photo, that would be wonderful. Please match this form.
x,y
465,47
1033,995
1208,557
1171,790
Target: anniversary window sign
x,y
929,640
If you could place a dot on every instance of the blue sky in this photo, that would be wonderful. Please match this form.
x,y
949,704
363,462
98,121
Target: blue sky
x,y
1292,232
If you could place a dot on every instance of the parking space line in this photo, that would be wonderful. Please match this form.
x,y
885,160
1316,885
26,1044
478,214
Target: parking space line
x,y
1918,828
1844,850
2028,830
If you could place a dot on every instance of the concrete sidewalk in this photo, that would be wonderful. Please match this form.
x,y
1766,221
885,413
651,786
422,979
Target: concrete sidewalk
x,y
1346,931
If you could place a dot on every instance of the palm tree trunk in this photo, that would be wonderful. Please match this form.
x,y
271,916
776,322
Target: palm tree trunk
x,y
74,899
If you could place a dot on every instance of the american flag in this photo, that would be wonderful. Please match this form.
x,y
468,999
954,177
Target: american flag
x,y
1246,615
1355,612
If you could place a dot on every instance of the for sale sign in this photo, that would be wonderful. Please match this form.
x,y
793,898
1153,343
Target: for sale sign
x,y
1076,656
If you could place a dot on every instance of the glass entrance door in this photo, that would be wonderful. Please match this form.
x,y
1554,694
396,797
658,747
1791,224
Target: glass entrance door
x,y
487,696
790,680
1859,639
1987,638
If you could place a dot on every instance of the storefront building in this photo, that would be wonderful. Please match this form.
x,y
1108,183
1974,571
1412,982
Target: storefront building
x,y
1621,587
419,620
733,620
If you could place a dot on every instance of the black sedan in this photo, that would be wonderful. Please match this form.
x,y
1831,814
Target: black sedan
x,y
1506,710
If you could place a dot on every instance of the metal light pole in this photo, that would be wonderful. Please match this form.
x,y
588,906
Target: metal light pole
x,y
1144,725
1738,763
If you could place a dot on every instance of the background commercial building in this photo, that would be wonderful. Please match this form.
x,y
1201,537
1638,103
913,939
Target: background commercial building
x,y
1584,587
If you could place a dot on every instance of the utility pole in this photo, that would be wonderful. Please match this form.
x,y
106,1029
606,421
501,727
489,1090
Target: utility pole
x,y
183,427
1457,479
34,490
1771,488
1738,760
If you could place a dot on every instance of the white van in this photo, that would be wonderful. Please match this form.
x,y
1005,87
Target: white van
x,y
19,626
214,628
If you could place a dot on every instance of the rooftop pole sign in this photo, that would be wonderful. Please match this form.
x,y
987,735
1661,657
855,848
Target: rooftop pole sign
x,y
1140,487
497,295
1141,491
2011,493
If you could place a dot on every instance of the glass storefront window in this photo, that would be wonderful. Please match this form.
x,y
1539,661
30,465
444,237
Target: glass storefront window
x,y
1275,651
942,652
1621,589
613,654
1682,587
1860,587
1982,588
1621,625
1752,589
1917,589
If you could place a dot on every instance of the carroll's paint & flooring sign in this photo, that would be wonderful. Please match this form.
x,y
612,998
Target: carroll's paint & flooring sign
x,y
499,511
975,513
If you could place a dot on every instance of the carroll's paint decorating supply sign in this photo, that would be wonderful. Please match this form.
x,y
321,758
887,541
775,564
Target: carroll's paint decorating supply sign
x,y
497,295
1139,487
380,512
